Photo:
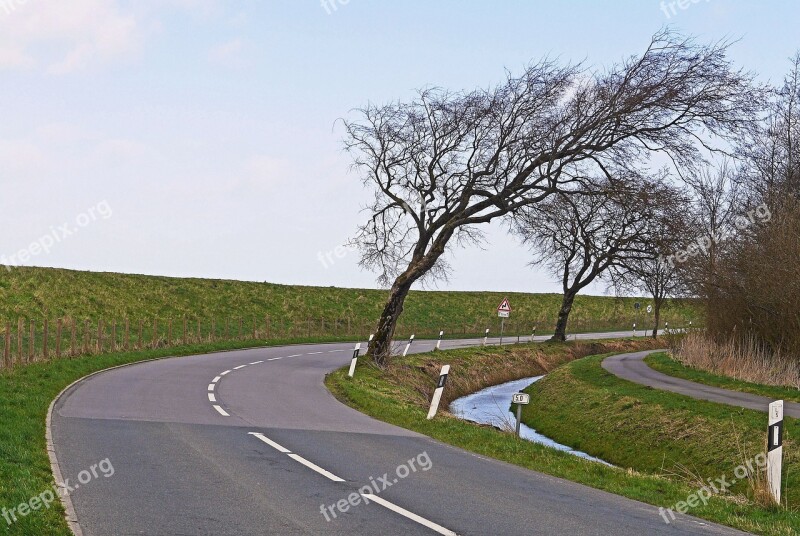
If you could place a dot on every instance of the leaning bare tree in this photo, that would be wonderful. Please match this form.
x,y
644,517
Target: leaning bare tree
x,y
445,163
581,237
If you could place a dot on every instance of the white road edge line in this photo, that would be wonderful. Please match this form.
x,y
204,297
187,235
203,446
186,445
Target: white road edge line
x,y
316,468
221,411
270,442
239,367
211,397
211,386
410,515
256,362
224,373
216,379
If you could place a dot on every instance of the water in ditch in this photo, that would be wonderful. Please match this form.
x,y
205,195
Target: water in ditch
x,y
491,406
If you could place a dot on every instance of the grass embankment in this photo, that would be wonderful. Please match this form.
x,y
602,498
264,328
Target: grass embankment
x,y
38,292
684,441
668,365
400,395
25,395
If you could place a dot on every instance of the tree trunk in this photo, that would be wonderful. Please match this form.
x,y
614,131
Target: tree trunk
x,y
560,334
381,346
657,309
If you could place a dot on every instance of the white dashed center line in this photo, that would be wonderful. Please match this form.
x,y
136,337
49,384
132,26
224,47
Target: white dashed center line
x,y
211,386
256,362
224,373
410,515
215,380
239,367
313,353
221,411
270,442
315,467
211,397
368,496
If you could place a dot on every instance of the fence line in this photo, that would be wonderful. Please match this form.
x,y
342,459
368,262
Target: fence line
x,y
33,340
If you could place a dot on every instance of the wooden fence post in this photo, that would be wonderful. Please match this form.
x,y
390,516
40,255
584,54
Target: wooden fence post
x,y
99,335
20,335
32,342
7,352
154,342
86,337
45,340
59,325
72,337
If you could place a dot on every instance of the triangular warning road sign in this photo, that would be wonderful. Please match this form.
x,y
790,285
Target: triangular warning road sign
x,y
504,306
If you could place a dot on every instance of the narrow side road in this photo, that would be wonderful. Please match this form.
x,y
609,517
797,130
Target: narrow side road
x,y
632,367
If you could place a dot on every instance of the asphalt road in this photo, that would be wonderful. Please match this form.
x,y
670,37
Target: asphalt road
x,y
632,367
250,442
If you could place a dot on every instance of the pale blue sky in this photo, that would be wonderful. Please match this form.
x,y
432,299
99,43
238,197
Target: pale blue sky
x,y
207,127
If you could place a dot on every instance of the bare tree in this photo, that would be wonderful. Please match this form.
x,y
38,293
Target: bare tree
x,y
444,163
579,237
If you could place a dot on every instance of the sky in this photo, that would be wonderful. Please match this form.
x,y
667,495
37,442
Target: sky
x,y
199,138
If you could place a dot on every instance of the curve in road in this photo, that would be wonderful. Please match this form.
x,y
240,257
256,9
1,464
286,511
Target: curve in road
x,y
632,367
251,442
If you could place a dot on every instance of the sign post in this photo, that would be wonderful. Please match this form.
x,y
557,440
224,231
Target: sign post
x,y
503,311
437,394
520,399
775,449
355,360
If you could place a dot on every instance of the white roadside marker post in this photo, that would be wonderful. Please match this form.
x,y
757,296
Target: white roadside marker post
x,y
437,394
533,335
355,360
439,342
634,330
371,336
775,449
520,399
408,346
486,337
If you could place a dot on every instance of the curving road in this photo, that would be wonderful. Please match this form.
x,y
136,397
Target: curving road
x,y
250,442
632,367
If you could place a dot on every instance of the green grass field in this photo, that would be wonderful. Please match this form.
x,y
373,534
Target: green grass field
x,y
55,293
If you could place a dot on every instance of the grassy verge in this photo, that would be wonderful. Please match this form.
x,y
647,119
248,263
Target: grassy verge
x,y
681,440
666,364
25,395
400,395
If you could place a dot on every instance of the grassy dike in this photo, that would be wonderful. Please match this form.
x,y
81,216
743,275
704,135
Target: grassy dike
x,y
400,393
678,439
25,395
